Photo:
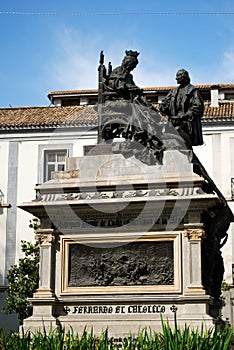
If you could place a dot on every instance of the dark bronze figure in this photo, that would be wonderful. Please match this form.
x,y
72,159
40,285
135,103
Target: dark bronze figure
x,y
184,108
124,113
121,80
216,223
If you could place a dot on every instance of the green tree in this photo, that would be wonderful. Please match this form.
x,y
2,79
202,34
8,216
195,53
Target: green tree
x,y
23,279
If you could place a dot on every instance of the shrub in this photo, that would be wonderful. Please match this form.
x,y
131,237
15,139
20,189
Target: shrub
x,y
23,279
177,339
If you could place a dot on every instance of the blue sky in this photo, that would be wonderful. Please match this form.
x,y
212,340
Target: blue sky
x,y
54,45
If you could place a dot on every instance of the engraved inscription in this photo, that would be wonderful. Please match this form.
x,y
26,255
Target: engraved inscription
x,y
69,220
116,309
136,263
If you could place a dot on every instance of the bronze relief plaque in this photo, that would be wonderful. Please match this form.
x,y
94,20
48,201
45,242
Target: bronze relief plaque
x,y
135,263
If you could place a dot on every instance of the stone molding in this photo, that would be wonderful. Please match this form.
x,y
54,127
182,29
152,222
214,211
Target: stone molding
x,y
43,293
194,234
45,238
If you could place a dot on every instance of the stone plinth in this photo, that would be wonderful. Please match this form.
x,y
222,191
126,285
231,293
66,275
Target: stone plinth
x,y
121,244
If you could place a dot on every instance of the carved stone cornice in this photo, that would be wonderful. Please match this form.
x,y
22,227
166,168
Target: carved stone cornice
x,y
45,239
194,234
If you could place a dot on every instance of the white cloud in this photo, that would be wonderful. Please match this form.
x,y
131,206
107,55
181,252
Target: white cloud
x,y
153,73
229,64
221,70
76,61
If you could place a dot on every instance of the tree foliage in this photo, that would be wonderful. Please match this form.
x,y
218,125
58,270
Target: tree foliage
x,y
23,279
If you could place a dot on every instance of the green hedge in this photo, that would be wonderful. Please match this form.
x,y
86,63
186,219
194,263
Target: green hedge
x,y
177,339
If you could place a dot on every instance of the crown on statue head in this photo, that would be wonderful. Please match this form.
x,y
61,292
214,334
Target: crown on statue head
x,y
132,53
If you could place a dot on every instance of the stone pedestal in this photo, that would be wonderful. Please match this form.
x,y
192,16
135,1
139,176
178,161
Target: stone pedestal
x,y
121,245
44,298
192,254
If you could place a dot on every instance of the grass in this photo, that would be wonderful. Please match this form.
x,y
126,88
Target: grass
x,y
168,339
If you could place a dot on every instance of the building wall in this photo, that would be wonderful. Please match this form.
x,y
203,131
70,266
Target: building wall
x,y
27,179
22,168
3,211
23,156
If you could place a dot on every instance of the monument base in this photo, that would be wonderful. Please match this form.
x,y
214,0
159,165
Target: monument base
x,y
121,319
124,245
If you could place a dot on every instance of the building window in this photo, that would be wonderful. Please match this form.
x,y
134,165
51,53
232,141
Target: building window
x,y
48,162
54,160
70,102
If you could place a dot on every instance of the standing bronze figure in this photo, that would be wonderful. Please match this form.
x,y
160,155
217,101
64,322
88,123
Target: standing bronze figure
x,y
184,108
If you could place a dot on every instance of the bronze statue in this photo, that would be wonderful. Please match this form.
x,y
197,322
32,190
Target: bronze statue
x,y
184,108
124,112
121,81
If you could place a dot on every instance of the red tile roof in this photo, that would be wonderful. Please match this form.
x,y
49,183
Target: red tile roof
x,y
26,117
151,88
225,110
44,117
72,92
